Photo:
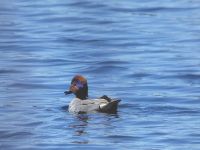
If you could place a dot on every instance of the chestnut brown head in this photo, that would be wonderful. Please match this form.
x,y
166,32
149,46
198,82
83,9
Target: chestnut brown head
x,y
79,87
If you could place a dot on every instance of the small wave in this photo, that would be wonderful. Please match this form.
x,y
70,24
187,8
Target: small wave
x,y
153,9
190,76
30,86
80,40
31,124
7,134
171,110
130,106
6,71
103,69
166,9
139,75
87,4
189,41
112,62
44,62
122,137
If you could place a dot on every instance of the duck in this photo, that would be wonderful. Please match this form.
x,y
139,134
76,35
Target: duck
x,y
82,104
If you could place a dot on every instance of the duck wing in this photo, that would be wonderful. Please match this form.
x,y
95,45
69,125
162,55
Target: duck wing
x,y
109,107
104,104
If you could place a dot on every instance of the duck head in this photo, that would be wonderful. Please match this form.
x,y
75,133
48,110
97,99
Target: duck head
x,y
79,87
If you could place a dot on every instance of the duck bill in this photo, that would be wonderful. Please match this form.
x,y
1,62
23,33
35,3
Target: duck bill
x,y
68,92
72,89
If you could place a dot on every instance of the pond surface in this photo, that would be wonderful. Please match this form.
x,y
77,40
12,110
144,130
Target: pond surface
x,y
146,53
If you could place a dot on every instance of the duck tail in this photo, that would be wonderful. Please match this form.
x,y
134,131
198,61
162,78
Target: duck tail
x,y
111,107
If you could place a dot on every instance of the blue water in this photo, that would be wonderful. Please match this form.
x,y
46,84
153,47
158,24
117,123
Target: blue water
x,y
146,53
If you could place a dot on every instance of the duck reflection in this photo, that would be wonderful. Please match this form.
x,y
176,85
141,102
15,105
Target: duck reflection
x,y
84,125
79,125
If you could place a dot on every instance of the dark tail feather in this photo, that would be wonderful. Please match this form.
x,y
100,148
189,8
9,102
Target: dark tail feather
x,y
111,107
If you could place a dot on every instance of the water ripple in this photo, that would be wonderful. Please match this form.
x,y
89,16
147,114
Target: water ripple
x,y
143,52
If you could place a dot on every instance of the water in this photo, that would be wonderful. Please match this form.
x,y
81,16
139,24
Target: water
x,y
143,52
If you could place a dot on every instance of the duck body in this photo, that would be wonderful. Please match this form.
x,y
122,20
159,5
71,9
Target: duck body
x,y
82,104
93,105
